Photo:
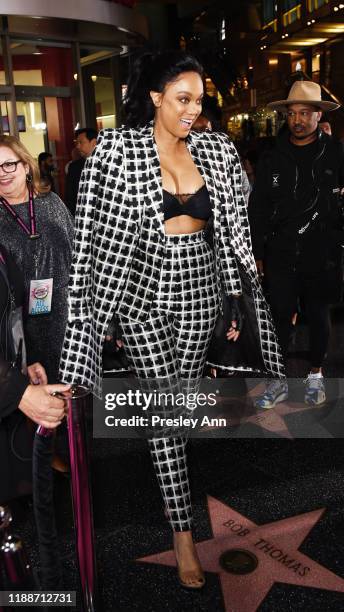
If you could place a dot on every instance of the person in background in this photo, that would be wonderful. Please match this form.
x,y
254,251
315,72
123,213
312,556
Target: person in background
x,y
295,219
325,125
22,396
75,155
37,229
210,119
85,142
46,170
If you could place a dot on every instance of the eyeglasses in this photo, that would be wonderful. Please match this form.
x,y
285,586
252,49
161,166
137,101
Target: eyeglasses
x,y
10,166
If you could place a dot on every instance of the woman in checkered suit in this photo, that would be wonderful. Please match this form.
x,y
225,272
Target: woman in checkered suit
x,y
146,195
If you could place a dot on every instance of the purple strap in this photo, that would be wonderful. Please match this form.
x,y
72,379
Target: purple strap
x,y
30,231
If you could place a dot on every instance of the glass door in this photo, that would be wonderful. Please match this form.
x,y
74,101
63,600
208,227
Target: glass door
x,y
32,127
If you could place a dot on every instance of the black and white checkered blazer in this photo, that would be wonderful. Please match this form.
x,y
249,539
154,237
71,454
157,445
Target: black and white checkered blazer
x,y
119,241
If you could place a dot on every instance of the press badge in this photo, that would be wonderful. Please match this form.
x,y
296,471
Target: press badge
x,y
41,293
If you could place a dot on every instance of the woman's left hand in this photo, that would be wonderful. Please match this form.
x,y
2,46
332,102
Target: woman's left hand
x,y
37,374
232,333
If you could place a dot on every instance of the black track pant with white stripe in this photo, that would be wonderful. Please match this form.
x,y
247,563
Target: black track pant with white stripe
x,y
173,344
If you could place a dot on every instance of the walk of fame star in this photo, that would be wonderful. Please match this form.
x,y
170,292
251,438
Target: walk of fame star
x,y
241,412
275,545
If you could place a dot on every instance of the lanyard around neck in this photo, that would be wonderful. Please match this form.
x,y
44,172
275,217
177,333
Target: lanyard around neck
x,y
10,208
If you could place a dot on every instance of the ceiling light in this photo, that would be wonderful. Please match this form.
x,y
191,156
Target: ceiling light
x,y
335,8
309,23
341,6
94,78
313,20
75,76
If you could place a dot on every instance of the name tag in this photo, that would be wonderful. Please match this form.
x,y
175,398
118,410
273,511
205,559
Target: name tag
x,y
41,293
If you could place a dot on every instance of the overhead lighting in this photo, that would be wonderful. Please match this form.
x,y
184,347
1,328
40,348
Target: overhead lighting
x,y
308,42
298,67
313,20
94,78
37,53
40,126
273,61
75,76
341,6
335,8
105,117
309,23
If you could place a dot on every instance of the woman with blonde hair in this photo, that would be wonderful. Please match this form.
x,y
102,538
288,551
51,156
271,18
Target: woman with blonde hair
x,y
36,229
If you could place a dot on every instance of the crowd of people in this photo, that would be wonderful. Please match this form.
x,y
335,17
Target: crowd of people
x,y
172,230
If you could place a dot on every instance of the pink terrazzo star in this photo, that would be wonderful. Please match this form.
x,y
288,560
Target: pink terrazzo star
x,y
272,420
276,547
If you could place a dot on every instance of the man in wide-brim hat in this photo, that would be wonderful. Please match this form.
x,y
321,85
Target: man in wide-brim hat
x,y
296,226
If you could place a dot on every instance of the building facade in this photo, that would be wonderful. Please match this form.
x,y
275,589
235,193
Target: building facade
x,y
60,69
296,39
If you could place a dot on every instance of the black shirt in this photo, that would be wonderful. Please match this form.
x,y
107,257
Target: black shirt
x,y
304,156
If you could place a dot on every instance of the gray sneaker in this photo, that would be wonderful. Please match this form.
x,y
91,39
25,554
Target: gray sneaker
x,y
275,392
315,394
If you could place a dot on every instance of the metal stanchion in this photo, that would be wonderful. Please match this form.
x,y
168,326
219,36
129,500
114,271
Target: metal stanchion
x,y
81,495
17,569
78,398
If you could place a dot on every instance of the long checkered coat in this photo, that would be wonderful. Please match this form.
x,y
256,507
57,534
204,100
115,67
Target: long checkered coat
x,y
119,242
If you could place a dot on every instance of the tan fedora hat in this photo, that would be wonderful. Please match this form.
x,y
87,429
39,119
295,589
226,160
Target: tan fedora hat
x,y
304,92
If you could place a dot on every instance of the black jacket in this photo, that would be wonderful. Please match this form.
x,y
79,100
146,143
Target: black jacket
x,y
15,437
276,216
75,169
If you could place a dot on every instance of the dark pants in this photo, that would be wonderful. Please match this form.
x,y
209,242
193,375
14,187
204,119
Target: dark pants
x,y
285,287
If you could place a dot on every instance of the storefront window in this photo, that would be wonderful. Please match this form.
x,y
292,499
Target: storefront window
x,y
31,126
268,10
315,4
289,4
105,102
41,64
299,65
98,82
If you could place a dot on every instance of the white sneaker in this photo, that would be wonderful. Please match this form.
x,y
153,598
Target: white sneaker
x,y
275,392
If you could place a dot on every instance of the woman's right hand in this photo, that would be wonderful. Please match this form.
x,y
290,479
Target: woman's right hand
x,y
39,405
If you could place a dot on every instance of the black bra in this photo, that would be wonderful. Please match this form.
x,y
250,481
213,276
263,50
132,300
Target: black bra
x,y
196,205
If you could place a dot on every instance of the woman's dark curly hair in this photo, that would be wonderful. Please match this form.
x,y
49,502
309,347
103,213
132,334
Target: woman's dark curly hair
x,y
152,72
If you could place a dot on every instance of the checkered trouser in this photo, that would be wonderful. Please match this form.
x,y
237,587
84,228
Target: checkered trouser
x,y
173,344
